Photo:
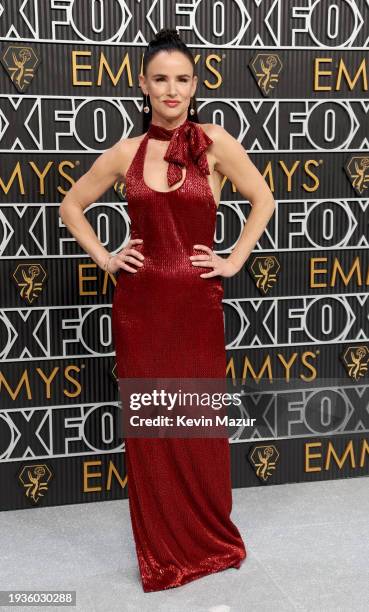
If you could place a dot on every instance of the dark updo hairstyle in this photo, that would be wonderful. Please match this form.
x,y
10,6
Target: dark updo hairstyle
x,y
165,40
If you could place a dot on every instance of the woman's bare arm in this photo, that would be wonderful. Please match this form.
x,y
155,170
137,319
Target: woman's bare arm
x,y
234,163
103,173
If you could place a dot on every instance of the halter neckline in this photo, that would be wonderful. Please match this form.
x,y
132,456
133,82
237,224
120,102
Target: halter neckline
x,y
188,141
161,133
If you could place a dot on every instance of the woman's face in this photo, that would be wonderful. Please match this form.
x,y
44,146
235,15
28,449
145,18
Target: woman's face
x,y
169,77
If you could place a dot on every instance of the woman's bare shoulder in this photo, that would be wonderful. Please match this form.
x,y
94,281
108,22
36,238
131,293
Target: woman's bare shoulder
x,y
222,141
214,131
128,143
126,149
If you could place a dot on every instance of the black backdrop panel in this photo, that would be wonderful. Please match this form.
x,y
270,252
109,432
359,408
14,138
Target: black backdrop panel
x,y
289,80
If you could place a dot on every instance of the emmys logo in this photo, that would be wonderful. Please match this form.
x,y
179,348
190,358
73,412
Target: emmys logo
x,y
21,63
25,276
264,271
264,459
35,479
355,359
120,190
265,67
357,169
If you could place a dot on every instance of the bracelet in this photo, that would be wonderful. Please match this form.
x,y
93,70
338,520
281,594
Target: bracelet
x,y
106,264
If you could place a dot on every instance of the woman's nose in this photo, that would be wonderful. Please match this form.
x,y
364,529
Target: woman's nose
x,y
172,90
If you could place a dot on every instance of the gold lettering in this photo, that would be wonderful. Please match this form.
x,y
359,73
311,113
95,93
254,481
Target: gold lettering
x,y
104,64
340,462
89,475
364,449
87,279
231,368
289,173
47,380
309,366
16,173
268,172
342,70
346,279
309,455
287,365
77,384
212,69
24,380
70,180
307,164
84,279
315,272
318,73
265,366
113,470
341,73
41,174
76,67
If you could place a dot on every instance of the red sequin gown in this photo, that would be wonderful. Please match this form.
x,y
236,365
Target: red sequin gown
x,y
167,321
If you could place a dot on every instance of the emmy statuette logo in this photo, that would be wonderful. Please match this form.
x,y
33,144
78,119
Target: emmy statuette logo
x,y
21,63
355,360
265,68
30,278
263,459
264,272
120,190
357,170
35,480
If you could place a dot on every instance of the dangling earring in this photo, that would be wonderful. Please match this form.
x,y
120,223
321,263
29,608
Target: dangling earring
x,y
146,108
192,110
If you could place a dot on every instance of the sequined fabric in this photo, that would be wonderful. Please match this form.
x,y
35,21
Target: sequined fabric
x,y
186,142
167,321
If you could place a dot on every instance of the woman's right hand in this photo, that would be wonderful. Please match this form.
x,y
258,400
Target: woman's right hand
x,y
127,254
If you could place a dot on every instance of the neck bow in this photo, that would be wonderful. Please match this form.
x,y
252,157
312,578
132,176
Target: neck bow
x,y
188,141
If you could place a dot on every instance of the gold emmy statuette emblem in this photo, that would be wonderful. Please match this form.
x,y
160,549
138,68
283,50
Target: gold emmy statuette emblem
x,y
264,459
265,68
355,360
35,479
264,272
21,63
357,170
120,190
30,278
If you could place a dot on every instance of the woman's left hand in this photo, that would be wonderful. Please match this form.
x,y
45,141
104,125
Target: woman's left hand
x,y
221,266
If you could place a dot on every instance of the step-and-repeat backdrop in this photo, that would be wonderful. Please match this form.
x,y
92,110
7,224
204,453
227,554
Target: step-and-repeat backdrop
x,y
289,79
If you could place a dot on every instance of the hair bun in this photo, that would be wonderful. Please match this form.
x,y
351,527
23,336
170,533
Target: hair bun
x,y
165,34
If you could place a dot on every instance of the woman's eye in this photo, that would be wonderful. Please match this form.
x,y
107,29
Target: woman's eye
x,y
161,79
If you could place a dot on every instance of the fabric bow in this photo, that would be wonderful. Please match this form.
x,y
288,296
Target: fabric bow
x,y
188,141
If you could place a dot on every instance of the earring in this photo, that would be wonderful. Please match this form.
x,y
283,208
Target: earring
x,y
146,108
192,110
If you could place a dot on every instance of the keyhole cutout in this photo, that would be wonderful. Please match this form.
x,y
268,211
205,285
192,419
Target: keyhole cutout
x,y
154,156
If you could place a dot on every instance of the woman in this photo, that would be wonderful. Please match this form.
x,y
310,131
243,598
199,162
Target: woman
x,y
167,316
